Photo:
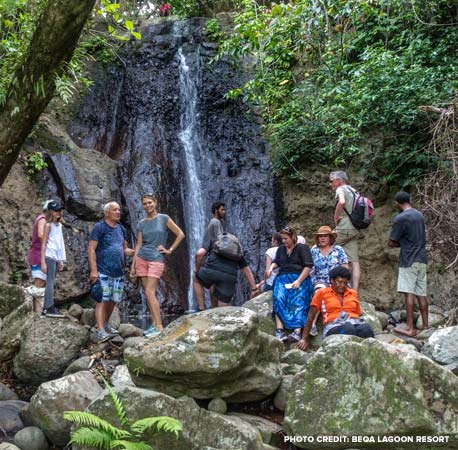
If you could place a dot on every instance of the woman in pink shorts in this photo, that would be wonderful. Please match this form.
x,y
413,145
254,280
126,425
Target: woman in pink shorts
x,y
148,262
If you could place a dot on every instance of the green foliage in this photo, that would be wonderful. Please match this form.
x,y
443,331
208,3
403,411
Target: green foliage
x,y
339,79
95,432
34,163
213,30
202,8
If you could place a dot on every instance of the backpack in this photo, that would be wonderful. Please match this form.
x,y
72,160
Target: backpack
x,y
362,211
228,246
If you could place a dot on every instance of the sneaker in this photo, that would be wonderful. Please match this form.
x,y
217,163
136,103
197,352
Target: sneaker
x,y
52,312
280,334
151,332
295,336
103,336
313,331
111,330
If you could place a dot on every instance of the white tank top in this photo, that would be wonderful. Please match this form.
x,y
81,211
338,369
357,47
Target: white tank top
x,y
55,247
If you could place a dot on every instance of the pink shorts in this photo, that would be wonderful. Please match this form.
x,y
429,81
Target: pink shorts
x,y
153,269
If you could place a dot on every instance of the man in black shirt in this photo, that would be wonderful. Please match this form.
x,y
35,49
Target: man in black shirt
x,y
221,274
409,233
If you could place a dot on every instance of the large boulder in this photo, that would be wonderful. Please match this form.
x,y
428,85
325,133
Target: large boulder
x,y
216,353
202,429
48,346
370,388
71,393
262,305
13,328
6,393
441,346
31,438
11,296
10,417
370,317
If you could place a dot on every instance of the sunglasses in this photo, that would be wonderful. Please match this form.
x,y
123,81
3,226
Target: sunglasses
x,y
148,194
287,230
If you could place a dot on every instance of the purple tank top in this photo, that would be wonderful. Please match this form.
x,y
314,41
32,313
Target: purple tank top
x,y
35,248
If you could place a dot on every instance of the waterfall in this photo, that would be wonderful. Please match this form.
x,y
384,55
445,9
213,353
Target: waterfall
x,y
192,146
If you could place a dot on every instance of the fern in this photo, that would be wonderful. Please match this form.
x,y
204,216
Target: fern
x,y
86,419
163,423
91,437
119,407
126,445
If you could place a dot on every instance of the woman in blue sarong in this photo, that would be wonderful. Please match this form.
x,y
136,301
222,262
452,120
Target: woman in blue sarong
x,y
293,287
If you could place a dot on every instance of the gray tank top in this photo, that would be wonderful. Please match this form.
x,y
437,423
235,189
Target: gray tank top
x,y
154,233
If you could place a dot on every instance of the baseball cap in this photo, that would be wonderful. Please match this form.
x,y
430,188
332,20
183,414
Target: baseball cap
x,y
54,206
96,291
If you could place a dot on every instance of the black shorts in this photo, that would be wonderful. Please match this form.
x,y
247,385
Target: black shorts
x,y
224,283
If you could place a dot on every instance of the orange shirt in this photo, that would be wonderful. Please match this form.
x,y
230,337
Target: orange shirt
x,y
328,303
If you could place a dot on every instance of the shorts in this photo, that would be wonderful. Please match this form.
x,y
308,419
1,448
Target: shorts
x,y
348,240
37,273
224,283
412,280
112,288
144,268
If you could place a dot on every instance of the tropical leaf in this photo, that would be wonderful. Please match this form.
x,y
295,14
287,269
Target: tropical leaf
x,y
92,437
117,403
126,445
86,419
162,423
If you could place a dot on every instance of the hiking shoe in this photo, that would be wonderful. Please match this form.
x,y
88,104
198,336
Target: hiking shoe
x,y
313,331
151,332
280,334
103,336
295,336
111,330
52,312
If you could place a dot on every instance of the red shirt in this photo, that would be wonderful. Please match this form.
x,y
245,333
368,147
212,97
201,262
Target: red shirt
x,y
35,249
329,304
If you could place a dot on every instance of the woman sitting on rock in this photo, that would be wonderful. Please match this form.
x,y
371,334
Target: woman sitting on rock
x,y
293,287
326,255
148,262
340,308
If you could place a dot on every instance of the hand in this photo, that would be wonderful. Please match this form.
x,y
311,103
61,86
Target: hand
x,y
133,272
254,292
93,277
302,345
60,266
268,273
296,284
162,249
44,268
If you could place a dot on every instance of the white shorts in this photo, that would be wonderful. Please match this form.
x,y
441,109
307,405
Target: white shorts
x,y
412,280
37,273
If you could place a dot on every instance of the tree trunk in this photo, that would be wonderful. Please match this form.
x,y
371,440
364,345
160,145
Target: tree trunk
x,y
33,86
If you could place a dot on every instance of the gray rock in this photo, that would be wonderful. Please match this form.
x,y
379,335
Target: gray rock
x,y
12,330
71,393
216,353
6,393
11,297
217,405
77,365
127,330
270,431
281,396
121,377
202,429
88,317
370,317
75,311
47,348
441,346
383,317
452,367
8,446
295,356
336,340
115,318
262,306
10,416
424,335
393,390
31,438
434,320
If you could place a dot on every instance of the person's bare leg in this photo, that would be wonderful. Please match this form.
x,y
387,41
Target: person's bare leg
x,y
423,303
221,304
213,299
100,315
355,274
150,285
199,292
278,323
108,311
410,329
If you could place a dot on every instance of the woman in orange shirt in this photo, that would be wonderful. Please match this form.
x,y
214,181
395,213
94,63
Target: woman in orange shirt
x,y
340,308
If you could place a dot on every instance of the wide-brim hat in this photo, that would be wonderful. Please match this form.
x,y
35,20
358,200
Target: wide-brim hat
x,y
325,231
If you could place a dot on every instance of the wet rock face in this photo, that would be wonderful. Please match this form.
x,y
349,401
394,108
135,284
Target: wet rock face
x,y
134,113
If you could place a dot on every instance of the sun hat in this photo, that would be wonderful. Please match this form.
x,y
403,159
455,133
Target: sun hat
x,y
325,231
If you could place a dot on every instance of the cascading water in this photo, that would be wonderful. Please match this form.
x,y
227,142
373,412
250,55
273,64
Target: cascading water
x,y
191,190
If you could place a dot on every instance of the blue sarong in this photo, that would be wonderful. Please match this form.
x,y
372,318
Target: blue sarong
x,y
292,305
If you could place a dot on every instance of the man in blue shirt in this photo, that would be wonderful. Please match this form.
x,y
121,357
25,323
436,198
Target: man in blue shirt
x,y
409,233
106,251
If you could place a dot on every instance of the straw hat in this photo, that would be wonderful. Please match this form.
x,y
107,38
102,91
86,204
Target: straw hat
x,y
325,231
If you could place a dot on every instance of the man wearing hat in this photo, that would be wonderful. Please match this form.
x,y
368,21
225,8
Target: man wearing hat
x,y
106,251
